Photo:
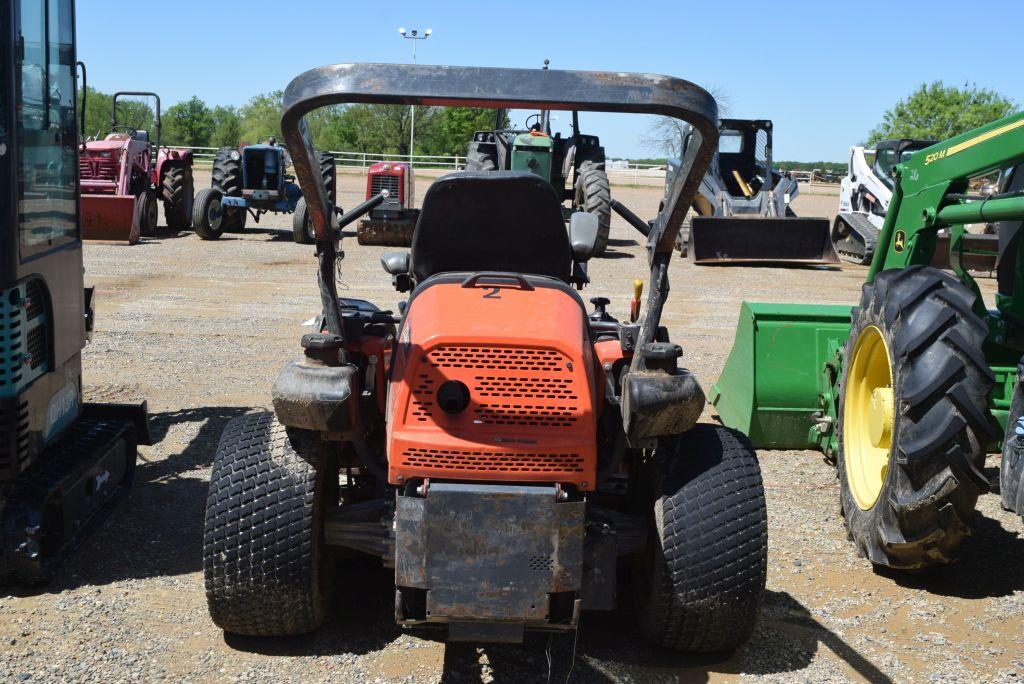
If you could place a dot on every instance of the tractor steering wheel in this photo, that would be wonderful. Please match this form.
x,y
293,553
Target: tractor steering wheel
x,y
126,129
537,116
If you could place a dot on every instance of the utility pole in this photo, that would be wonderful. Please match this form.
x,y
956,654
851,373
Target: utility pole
x,y
414,36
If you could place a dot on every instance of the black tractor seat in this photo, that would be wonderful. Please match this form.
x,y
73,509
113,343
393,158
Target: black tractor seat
x,y
508,221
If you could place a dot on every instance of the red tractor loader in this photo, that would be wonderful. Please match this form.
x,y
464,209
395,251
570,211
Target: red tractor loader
x,y
504,450
122,186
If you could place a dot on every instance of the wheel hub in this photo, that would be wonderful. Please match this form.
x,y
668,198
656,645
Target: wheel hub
x,y
868,417
880,417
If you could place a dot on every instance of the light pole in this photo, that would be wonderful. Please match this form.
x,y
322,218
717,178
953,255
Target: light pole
x,y
414,36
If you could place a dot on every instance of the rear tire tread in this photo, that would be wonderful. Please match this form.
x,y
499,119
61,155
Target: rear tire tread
x,y
941,385
263,566
712,558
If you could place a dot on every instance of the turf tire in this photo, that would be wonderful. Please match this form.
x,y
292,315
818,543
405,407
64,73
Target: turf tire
x,y
699,586
941,385
267,569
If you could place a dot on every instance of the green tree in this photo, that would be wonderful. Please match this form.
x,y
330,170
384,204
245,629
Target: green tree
x,y
135,113
261,117
97,113
453,127
227,127
938,112
188,123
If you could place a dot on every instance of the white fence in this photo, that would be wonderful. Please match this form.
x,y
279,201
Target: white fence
x,y
621,171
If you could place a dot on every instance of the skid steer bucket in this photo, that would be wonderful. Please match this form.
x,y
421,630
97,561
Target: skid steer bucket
x,y
755,239
777,379
109,218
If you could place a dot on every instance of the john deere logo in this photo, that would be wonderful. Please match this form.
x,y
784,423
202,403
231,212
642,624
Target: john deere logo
x,y
900,241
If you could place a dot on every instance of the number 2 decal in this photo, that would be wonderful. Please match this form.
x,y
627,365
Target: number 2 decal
x,y
493,293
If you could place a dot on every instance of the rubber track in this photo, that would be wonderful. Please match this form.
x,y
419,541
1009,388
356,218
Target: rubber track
x,y
714,534
259,550
867,243
941,386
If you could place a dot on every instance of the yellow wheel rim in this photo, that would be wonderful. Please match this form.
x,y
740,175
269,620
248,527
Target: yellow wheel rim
x,y
868,417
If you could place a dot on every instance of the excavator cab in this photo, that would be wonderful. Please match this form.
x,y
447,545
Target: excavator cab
x,y
61,460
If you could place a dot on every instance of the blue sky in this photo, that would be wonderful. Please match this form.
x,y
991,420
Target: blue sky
x,y
824,78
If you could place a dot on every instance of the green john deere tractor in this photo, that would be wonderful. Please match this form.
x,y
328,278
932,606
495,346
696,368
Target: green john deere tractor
x,y
910,389
557,159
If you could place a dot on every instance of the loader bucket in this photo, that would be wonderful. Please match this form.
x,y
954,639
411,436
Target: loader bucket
x,y
385,233
755,239
778,375
109,218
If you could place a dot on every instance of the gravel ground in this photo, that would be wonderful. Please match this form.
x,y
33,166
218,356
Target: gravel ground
x,y
201,330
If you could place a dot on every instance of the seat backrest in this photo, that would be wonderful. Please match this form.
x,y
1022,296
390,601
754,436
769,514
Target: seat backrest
x,y
491,221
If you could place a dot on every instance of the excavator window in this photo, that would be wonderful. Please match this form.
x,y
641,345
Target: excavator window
x,y
45,126
730,142
885,161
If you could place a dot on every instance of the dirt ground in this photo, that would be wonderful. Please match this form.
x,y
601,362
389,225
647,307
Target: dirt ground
x,y
201,330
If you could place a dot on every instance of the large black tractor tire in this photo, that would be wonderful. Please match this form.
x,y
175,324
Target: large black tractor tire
x,y
481,159
227,178
267,569
302,227
698,587
594,195
1011,466
329,172
207,215
176,191
928,471
590,154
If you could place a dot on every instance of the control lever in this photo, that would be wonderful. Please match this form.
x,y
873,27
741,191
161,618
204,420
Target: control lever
x,y
631,218
364,208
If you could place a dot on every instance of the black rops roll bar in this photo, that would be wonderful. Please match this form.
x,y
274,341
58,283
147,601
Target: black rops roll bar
x,y
551,89
135,93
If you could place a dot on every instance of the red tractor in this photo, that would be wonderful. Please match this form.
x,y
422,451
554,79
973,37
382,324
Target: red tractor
x,y
391,223
122,186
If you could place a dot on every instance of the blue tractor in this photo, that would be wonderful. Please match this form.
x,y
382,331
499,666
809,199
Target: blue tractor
x,y
254,180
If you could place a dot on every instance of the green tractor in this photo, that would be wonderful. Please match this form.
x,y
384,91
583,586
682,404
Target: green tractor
x,y
557,159
909,390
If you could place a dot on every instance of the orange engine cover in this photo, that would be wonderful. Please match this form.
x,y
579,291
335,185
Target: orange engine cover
x,y
525,357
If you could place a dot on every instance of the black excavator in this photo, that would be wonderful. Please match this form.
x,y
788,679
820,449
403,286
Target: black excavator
x,y
62,461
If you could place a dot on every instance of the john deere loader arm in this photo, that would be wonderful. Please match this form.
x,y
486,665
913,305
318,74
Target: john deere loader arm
x,y
931,193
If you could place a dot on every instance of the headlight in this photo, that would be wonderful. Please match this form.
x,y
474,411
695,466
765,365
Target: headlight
x,y
235,156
